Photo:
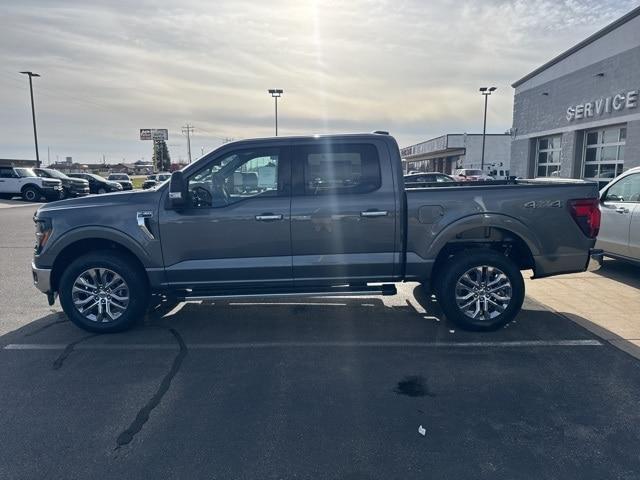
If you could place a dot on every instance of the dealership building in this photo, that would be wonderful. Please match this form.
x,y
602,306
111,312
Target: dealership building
x,y
578,115
459,150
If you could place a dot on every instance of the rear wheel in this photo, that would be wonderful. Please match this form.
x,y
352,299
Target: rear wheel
x,y
31,194
480,289
103,292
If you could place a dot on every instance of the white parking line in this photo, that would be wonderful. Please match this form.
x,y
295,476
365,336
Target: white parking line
x,y
250,345
18,204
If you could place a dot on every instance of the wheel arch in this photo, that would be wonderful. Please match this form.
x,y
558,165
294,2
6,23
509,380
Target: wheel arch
x,y
501,233
76,244
32,185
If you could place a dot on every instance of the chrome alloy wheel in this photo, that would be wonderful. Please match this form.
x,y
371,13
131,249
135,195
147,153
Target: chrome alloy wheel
x,y
100,295
483,292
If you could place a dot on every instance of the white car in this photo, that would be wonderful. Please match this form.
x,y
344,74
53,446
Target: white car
x,y
470,175
26,183
619,235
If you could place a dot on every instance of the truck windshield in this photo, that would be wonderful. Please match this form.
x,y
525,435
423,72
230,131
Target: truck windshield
x,y
54,173
26,172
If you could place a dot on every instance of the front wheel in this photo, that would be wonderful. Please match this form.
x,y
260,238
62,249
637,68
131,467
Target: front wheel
x,y
103,292
101,191
481,289
31,194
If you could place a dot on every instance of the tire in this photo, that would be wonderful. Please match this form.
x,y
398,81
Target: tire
x,y
465,306
101,191
31,194
107,262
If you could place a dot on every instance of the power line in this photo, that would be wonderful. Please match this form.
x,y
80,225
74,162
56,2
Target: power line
x,y
187,130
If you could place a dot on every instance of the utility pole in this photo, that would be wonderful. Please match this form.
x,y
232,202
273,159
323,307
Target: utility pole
x,y
187,130
33,115
276,93
486,92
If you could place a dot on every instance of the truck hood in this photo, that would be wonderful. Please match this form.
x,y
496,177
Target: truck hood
x,y
111,200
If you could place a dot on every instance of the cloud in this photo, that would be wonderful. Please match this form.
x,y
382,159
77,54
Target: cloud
x,y
412,67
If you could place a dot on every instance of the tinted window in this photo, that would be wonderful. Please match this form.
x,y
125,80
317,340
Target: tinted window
x,y
26,172
235,177
625,190
7,173
341,169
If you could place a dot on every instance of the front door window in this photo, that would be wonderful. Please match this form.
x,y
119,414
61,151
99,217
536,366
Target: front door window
x,y
235,177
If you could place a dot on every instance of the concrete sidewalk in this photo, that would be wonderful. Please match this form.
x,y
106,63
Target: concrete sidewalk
x,y
606,302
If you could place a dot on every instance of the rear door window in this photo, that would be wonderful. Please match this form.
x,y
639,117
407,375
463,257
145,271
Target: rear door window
x,y
340,169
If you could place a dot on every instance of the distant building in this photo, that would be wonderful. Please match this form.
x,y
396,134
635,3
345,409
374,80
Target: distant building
x,y
15,162
459,150
578,115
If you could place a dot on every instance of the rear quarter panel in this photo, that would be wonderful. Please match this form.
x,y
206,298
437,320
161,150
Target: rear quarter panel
x,y
537,213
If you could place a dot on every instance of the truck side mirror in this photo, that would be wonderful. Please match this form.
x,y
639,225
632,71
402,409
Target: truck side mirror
x,y
178,190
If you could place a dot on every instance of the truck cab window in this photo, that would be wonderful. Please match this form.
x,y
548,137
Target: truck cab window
x,y
235,177
341,169
626,190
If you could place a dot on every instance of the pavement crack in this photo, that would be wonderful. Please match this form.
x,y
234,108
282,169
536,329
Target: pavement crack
x,y
143,414
44,327
57,364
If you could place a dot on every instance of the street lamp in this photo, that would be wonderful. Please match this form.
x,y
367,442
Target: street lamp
x,y
276,93
486,92
33,115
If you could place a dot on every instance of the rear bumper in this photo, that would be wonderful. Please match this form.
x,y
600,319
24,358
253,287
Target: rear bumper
x,y
596,257
41,278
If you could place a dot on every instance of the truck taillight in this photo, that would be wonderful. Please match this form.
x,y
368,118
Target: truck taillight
x,y
586,213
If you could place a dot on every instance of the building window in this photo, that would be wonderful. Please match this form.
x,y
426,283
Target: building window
x,y
548,156
604,153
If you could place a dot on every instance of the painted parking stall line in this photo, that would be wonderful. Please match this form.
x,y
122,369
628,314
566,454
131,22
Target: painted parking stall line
x,y
259,345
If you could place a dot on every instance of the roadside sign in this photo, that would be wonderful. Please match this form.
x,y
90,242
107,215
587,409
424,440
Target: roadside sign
x,y
154,134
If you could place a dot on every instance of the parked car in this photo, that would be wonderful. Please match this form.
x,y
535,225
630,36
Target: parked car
x,y
619,235
24,182
155,179
470,175
336,221
98,184
123,179
428,177
71,187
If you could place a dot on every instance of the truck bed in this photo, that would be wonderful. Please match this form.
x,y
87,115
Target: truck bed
x,y
534,213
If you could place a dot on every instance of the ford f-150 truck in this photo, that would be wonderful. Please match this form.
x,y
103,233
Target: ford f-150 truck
x,y
318,216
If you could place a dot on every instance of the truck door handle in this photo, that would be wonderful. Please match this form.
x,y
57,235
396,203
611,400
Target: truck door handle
x,y
268,217
374,213
622,210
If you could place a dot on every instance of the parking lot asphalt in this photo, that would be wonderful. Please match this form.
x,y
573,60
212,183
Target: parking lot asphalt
x,y
306,388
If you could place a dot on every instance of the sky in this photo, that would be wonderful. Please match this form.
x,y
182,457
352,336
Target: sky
x,y
109,68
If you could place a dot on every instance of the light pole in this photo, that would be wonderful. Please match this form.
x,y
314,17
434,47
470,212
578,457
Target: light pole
x,y
33,115
276,93
486,92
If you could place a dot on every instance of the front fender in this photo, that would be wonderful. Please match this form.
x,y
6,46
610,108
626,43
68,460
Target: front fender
x,y
57,245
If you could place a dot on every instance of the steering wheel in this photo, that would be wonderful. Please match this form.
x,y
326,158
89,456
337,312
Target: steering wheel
x,y
200,196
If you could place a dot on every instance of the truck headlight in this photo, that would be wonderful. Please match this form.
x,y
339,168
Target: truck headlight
x,y
43,232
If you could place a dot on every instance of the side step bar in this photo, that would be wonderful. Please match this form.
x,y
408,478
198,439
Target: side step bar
x,y
384,289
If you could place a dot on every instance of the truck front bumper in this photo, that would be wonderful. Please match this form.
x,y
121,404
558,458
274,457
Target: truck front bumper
x,y
41,278
596,258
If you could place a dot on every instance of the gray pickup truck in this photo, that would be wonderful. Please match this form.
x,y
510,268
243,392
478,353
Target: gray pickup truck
x,y
315,216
